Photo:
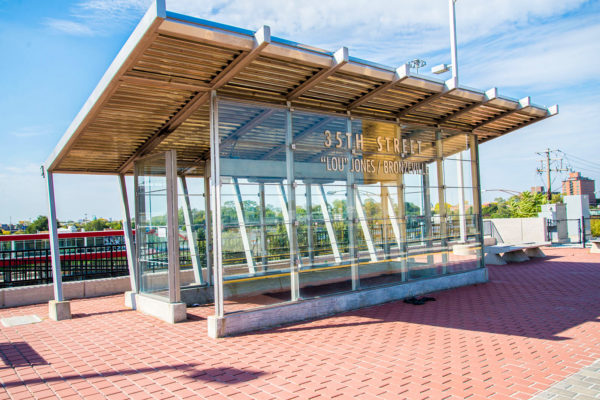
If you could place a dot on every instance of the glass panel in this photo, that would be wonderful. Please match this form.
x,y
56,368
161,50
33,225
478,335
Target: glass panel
x,y
192,247
151,225
370,208
321,164
254,214
398,156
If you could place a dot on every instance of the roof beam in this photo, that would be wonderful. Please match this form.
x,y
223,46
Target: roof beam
x,y
523,103
262,38
248,126
297,137
550,111
402,73
340,58
489,95
157,83
449,86
176,120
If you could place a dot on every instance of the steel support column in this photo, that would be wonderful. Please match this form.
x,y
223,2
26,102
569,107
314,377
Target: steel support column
x,y
462,220
54,245
207,224
192,238
172,227
291,207
427,228
128,235
309,222
329,226
215,202
402,222
441,198
285,211
239,209
351,193
263,225
475,179
385,199
364,223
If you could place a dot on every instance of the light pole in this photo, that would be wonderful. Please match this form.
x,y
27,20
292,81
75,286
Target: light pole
x,y
453,52
442,68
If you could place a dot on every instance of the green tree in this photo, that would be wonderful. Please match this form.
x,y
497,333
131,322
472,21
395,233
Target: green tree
x,y
526,205
496,209
595,223
99,224
115,225
40,224
411,208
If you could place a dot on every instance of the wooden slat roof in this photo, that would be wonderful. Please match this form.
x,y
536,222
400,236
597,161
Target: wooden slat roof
x,y
154,96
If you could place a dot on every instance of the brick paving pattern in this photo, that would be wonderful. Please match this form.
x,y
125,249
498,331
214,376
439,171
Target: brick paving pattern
x,y
533,325
582,385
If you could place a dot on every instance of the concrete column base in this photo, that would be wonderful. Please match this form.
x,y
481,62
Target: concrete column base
x,y
216,326
59,310
130,300
161,309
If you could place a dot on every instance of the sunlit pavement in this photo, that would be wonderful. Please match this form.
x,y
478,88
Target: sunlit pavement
x,y
524,333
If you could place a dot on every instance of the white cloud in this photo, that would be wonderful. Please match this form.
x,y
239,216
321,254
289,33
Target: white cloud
x,y
539,57
92,17
402,25
70,27
31,131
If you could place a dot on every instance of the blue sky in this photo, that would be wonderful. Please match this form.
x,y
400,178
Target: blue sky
x,y
54,54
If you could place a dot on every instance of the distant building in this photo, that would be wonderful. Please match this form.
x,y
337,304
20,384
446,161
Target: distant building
x,y
577,184
538,189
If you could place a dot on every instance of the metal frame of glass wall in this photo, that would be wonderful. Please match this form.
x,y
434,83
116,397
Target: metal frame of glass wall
x,y
303,204
306,204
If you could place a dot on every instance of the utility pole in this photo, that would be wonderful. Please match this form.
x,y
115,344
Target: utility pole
x,y
546,168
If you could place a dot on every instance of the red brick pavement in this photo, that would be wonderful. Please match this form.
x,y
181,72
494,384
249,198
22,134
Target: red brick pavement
x,y
532,325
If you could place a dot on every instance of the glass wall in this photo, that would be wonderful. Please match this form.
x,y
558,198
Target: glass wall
x,y
151,225
315,204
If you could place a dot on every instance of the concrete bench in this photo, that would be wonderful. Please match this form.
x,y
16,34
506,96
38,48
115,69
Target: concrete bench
x,y
595,246
503,254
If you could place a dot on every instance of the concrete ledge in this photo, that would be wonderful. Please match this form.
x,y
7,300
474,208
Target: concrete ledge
x,y
26,295
247,321
59,310
161,309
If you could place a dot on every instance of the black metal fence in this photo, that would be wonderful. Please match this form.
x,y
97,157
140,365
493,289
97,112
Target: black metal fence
x,y
575,231
33,267
25,264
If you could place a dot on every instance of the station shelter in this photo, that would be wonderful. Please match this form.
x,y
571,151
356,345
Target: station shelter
x,y
279,181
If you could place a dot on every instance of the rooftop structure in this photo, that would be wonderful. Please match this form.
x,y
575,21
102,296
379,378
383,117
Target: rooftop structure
x,y
368,174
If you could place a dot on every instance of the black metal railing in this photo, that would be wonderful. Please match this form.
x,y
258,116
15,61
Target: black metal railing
x,y
34,267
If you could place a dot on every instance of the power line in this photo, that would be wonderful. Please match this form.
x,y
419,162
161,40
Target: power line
x,y
582,163
546,166
581,159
